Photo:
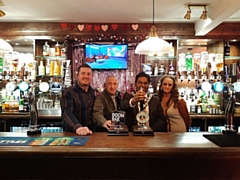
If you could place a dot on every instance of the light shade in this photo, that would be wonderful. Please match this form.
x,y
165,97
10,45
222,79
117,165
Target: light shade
x,y
204,15
153,45
2,13
5,46
188,15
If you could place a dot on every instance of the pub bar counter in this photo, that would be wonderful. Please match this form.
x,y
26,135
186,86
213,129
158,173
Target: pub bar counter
x,y
163,156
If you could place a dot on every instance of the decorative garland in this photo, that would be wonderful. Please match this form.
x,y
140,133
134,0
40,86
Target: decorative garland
x,y
104,28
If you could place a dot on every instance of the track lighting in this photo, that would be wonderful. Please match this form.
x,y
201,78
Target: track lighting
x,y
204,14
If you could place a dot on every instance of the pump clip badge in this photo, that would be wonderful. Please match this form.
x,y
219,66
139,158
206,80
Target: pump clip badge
x,y
142,117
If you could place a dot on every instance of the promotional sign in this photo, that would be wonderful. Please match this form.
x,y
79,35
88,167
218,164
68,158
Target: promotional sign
x,y
118,127
118,117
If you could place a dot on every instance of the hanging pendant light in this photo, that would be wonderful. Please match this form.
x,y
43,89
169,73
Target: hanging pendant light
x,y
5,46
153,45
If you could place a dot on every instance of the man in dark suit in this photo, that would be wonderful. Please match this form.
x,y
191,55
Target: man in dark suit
x,y
132,104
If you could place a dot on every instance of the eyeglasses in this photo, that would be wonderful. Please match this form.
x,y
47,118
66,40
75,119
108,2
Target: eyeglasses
x,y
165,84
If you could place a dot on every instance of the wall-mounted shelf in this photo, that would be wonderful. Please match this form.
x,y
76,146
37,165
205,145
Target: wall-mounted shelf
x,y
232,57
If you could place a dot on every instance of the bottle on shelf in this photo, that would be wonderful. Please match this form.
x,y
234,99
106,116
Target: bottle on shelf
x,y
155,69
20,105
171,52
161,70
46,49
57,49
171,70
41,69
1,64
51,68
34,70
48,67
226,49
56,69
188,61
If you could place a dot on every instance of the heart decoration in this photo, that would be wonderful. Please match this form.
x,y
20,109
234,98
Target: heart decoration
x,y
96,27
114,27
147,27
63,25
104,27
135,27
89,27
80,27
125,27
72,26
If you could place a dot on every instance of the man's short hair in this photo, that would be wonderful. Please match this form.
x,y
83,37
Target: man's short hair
x,y
142,74
83,65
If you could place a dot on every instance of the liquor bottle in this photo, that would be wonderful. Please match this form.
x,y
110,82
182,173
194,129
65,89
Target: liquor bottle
x,y
48,67
155,69
161,70
46,49
226,49
41,69
171,52
57,49
191,94
56,69
51,68
20,105
1,64
188,61
171,69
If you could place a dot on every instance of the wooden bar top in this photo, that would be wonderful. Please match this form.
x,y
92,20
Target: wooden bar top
x,y
163,156
102,145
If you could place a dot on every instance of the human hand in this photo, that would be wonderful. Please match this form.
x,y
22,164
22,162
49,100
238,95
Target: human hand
x,y
139,96
107,124
83,131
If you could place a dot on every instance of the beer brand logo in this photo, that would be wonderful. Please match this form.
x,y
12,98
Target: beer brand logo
x,y
118,117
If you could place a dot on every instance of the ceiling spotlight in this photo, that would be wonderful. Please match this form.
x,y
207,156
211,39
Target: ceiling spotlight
x,y
204,14
191,6
188,15
2,13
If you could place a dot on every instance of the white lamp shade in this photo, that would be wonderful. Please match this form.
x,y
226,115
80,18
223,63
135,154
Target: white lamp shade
x,y
153,45
5,46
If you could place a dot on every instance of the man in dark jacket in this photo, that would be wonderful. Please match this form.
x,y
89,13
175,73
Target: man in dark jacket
x,y
150,104
106,102
77,104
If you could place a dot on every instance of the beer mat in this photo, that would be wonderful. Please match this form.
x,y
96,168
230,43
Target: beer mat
x,y
224,140
44,141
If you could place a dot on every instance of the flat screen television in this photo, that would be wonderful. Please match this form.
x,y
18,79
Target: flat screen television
x,y
107,57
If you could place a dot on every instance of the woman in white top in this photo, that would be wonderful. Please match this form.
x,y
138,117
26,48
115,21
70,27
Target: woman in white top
x,y
175,109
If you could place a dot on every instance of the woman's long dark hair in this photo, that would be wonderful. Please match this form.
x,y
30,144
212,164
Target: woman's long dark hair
x,y
174,93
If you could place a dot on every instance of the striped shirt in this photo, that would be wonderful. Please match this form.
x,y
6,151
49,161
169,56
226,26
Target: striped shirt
x,y
77,105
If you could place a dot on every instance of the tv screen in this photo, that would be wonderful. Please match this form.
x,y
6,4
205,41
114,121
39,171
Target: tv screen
x,y
111,56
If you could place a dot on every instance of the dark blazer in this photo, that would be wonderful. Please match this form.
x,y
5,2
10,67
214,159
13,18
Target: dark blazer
x,y
157,119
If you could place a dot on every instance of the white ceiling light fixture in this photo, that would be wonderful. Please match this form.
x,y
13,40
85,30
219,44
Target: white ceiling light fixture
x,y
5,46
153,45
